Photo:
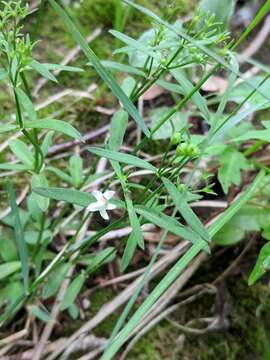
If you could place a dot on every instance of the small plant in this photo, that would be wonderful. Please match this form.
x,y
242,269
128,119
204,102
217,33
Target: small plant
x,y
46,239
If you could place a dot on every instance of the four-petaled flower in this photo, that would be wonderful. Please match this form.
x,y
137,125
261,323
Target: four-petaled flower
x,y
102,204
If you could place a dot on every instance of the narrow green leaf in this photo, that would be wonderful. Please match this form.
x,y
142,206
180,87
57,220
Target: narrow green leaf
x,y
262,264
6,128
187,87
100,259
75,197
56,125
47,142
76,170
61,174
118,128
20,149
26,104
134,222
72,292
15,167
60,67
128,252
169,224
185,210
39,313
39,180
42,70
123,158
9,268
101,70
123,68
21,244
54,281
134,44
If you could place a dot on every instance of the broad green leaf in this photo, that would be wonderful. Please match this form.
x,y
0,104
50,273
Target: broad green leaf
x,y
76,170
42,70
26,104
232,162
60,67
56,125
39,180
9,268
101,70
39,313
122,158
123,68
72,291
169,224
118,128
180,201
21,245
229,235
54,281
222,10
262,264
235,206
6,128
20,149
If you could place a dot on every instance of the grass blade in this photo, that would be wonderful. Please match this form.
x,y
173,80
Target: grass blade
x,y
101,70
21,244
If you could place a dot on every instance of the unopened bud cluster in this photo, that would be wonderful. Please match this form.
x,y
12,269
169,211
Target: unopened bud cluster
x,y
184,148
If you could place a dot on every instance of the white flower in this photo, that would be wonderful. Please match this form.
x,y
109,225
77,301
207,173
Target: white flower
x,y
102,203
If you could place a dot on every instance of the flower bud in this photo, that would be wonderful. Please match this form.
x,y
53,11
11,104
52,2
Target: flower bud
x,y
176,138
182,150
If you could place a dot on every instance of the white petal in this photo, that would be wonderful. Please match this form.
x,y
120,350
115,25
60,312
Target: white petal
x,y
109,194
111,206
103,213
94,207
98,195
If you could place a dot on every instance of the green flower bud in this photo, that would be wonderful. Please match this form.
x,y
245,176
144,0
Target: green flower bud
x,y
176,138
182,150
193,150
